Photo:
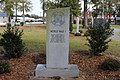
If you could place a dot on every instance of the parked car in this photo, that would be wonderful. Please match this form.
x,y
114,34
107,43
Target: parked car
x,y
2,24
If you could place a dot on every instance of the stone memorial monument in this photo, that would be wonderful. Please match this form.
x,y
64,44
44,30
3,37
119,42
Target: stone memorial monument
x,y
57,46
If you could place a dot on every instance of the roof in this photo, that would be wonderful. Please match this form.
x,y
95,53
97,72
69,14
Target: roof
x,y
2,14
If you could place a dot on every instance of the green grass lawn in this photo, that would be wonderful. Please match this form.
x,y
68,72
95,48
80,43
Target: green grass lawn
x,y
35,40
115,26
35,25
118,34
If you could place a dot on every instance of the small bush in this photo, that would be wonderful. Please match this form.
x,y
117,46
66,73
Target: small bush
x,y
21,23
99,38
89,21
80,31
80,21
71,25
4,67
86,33
77,34
8,24
110,64
109,20
56,78
12,43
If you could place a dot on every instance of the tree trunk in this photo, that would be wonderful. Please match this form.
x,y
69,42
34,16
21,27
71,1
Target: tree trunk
x,y
85,14
43,12
16,12
9,18
23,13
70,26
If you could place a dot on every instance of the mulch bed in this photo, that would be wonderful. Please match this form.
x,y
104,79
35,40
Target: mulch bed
x,y
22,68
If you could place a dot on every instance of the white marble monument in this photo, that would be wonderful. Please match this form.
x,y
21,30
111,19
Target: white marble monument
x,y
57,46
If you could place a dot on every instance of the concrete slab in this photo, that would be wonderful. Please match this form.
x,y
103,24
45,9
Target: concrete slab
x,y
42,71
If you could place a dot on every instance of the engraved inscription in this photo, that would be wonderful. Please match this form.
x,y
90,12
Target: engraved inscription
x,y
58,31
57,38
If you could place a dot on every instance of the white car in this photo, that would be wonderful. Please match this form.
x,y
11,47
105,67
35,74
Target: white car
x,y
2,24
15,23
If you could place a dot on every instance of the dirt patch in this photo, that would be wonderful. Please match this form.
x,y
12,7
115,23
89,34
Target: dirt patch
x,y
88,66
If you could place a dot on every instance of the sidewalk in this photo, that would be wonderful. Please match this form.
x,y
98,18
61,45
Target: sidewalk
x,y
116,36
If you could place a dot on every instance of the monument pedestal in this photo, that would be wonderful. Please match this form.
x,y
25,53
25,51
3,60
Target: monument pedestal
x,y
57,46
43,71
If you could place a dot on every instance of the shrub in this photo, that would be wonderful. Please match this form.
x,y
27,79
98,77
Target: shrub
x,y
89,21
12,42
4,67
56,77
109,20
21,23
86,33
80,31
71,26
77,34
110,64
8,24
99,38
80,21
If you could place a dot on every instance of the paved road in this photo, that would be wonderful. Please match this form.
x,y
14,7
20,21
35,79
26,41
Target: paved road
x,y
116,36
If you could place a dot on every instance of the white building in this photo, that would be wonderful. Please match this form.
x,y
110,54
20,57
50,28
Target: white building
x,y
3,18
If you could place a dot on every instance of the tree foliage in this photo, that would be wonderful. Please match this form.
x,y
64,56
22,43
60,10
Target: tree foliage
x,y
8,6
73,4
99,38
12,43
25,5
110,64
105,7
4,67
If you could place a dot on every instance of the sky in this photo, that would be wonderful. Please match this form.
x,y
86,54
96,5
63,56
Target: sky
x,y
36,8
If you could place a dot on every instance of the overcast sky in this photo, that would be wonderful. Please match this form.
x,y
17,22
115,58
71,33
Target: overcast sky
x,y
36,9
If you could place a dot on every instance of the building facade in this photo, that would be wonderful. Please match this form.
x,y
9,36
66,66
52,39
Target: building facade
x,y
3,18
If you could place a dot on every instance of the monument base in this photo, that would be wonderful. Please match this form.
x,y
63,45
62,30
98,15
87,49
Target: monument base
x,y
42,71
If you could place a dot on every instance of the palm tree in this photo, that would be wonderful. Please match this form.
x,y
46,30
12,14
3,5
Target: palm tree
x,y
16,5
25,6
8,8
44,3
